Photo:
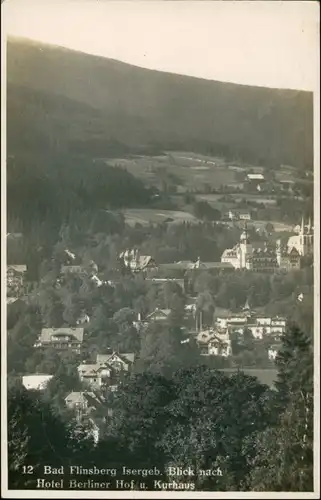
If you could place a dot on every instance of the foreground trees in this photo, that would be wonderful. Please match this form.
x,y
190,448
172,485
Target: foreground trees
x,y
284,460
260,439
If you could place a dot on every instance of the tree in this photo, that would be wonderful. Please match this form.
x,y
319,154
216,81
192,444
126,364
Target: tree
x,y
284,460
36,436
140,417
295,365
204,210
127,339
211,417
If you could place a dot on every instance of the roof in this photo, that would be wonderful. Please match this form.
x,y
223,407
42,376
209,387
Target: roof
x,y
132,256
230,253
166,280
91,369
14,236
293,251
144,260
218,265
164,312
267,252
11,300
46,333
255,176
36,381
127,357
72,269
206,336
84,397
20,268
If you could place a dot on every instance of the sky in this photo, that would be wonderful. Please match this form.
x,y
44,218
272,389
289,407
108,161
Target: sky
x,y
264,43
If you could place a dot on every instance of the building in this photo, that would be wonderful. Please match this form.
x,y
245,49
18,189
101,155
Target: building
x,y
245,216
136,262
84,402
15,278
90,409
213,342
97,376
273,351
189,267
158,315
14,236
118,361
36,381
106,372
287,258
83,319
255,177
240,255
302,242
261,258
220,345
239,215
258,325
264,260
61,338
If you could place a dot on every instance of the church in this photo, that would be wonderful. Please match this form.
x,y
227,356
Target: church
x,y
266,257
302,242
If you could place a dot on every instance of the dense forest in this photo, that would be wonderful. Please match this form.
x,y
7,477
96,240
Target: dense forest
x,y
87,104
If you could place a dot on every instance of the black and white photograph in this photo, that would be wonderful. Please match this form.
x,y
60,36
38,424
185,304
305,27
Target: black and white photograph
x,y
160,249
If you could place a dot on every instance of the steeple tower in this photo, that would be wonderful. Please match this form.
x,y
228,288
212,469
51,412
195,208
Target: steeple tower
x,y
247,305
309,226
245,250
302,226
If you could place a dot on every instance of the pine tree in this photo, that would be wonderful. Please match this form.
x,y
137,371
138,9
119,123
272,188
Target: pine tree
x,y
284,460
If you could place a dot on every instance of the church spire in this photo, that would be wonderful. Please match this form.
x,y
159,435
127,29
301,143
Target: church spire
x,y
309,226
302,225
247,305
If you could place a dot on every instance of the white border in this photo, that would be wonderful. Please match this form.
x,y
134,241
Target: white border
x,y
135,494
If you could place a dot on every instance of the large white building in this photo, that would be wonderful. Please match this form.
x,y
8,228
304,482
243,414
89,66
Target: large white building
x,y
267,257
240,255
302,242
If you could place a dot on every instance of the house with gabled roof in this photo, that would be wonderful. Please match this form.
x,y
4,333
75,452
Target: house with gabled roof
x,y
90,408
213,342
96,375
136,262
118,361
104,374
84,400
158,315
61,338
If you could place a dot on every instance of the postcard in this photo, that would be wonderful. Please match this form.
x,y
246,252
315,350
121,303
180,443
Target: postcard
x,y
160,249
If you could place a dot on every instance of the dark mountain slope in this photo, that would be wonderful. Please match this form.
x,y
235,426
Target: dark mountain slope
x,y
113,101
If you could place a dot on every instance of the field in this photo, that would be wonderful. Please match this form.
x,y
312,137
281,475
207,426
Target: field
x,y
265,376
237,198
151,216
184,170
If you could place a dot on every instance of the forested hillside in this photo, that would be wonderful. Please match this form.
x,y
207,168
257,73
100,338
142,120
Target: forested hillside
x,y
81,102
